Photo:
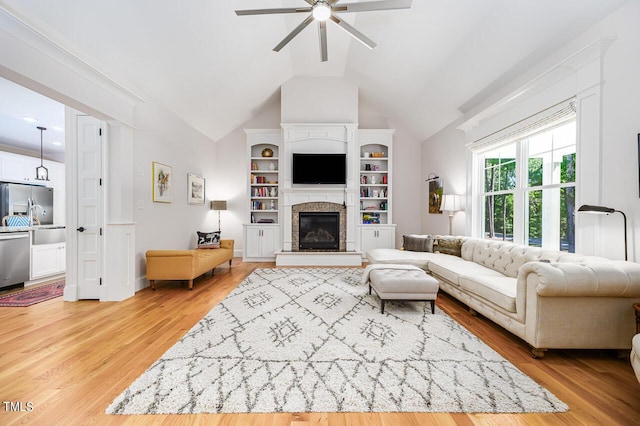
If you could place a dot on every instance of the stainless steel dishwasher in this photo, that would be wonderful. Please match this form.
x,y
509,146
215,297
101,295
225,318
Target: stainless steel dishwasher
x,y
14,258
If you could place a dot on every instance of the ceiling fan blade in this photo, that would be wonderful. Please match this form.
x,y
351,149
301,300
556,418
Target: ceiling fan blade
x,y
322,27
273,11
294,33
332,2
366,6
354,33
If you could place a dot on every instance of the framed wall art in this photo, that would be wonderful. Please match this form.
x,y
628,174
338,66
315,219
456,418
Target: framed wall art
x,y
162,183
195,189
435,195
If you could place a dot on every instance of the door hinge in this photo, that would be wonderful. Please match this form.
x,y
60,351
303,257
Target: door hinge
x,y
100,131
100,280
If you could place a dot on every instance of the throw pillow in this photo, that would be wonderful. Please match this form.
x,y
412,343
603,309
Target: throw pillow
x,y
209,240
418,242
449,245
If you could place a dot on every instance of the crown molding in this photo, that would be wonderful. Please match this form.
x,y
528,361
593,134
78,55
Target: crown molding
x,y
20,27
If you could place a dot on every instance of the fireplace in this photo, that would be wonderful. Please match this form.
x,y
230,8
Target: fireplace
x,y
319,230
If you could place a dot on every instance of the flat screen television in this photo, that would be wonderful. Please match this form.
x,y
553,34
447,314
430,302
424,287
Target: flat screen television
x,y
319,168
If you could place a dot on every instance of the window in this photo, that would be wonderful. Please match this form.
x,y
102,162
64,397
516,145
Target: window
x,y
529,185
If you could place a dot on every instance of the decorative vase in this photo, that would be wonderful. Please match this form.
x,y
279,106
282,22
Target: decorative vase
x,y
273,192
267,152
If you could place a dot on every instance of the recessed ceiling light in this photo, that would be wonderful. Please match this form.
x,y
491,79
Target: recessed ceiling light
x,y
56,143
57,129
30,119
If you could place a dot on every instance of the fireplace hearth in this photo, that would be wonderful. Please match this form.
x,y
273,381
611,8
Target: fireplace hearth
x,y
319,230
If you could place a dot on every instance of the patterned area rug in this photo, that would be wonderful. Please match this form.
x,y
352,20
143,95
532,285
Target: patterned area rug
x,y
35,295
313,340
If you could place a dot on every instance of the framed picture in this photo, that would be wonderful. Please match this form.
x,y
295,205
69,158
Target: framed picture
x,y
435,195
162,183
195,189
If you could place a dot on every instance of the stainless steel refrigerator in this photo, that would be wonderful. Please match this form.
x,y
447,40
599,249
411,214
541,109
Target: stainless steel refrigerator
x,y
16,198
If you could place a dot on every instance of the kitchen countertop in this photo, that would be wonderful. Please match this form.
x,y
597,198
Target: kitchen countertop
x,y
6,229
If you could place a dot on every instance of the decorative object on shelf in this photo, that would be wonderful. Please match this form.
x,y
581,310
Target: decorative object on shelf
x,y
384,179
451,203
195,189
607,210
373,180
267,152
42,173
377,155
272,205
162,183
272,167
367,155
435,193
363,180
219,205
273,192
367,167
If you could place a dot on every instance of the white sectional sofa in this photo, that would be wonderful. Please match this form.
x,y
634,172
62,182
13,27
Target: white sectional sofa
x,y
550,299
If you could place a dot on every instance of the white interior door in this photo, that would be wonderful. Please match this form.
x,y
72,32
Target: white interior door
x,y
90,208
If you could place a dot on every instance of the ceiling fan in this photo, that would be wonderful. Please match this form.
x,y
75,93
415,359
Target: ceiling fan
x,y
324,10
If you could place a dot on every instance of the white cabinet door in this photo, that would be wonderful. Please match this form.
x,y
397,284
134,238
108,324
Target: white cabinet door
x,y
268,242
252,242
377,237
47,259
14,168
368,239
260,242
386,237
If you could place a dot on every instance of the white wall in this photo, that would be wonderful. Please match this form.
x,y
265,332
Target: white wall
x,y
160,136
230,182
445,154
319,100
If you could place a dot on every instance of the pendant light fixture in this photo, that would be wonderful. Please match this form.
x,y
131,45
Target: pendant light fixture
x,y
42,173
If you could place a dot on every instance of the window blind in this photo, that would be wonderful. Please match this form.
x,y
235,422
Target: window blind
x,y
543,120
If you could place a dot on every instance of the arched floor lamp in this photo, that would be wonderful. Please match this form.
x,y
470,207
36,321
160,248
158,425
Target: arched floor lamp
x,y
607,210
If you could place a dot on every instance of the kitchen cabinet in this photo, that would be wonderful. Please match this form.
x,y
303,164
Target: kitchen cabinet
x,y
18,168
47,259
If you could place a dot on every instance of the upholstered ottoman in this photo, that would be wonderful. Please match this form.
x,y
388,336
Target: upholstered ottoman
x,y
403,284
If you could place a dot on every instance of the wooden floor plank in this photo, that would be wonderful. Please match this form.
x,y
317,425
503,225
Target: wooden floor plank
x,y
70,360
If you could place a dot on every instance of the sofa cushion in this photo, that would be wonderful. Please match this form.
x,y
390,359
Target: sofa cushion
x,y
383,255
452,267
209,239
499,290
448,245
420,243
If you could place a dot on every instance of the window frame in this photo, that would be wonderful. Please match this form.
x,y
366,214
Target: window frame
x,y
522,190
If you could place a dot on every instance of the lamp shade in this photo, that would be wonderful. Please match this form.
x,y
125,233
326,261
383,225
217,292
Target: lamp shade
x,y
451,203
596,209
218,205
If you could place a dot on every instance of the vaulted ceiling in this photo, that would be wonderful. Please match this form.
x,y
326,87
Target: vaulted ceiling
x,y
216,70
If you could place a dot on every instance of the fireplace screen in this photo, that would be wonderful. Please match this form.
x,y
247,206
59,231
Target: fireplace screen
x,y
319,230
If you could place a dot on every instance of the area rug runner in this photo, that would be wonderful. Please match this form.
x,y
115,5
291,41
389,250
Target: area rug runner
x,y
31,296
314,340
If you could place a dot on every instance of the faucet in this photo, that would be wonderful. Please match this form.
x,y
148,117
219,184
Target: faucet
x,y
33,207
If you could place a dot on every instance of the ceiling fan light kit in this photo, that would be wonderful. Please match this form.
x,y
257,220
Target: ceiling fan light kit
x,y
324,10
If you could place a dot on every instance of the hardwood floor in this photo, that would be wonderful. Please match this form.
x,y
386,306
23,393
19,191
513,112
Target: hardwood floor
x,y
65,362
